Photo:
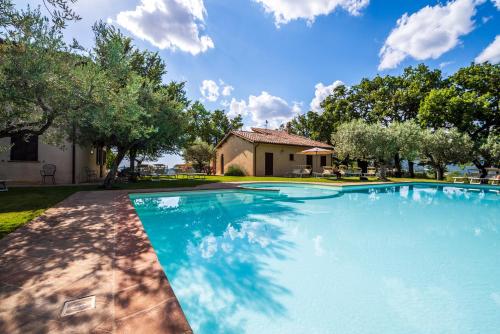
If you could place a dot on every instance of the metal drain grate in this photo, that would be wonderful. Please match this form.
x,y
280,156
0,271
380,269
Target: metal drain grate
x,y
78,305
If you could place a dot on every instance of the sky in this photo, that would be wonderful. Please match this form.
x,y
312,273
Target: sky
x,y
270,60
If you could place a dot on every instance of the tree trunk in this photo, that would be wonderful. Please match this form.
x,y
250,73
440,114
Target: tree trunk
x,y
382,173
397,163
411,168
363,165
364,169
110,178
439,173
132,156
481,167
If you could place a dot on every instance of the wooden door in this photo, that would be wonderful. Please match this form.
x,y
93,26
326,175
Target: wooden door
x,y
309,161
269,164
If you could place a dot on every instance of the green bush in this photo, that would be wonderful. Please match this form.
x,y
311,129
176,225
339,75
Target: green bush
x,y
450,176
234,170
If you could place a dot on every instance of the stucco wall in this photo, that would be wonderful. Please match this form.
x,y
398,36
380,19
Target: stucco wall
x,y
281,159
236,151
29,171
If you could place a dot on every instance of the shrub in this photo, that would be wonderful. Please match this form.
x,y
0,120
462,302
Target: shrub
x,y
234,170
450,176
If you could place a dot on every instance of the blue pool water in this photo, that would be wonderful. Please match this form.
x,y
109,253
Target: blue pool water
x,y
316,259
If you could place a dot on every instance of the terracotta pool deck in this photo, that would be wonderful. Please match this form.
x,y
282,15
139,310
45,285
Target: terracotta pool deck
x,y
91,244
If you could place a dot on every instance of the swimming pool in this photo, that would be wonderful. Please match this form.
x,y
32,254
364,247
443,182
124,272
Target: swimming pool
x,y
317,259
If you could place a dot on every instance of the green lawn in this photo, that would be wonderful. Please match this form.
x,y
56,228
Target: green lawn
x,y
21,204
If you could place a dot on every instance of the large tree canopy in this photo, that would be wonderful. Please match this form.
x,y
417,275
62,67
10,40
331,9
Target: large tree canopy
x,y
383,99
470,103
40,79
210,126
130,108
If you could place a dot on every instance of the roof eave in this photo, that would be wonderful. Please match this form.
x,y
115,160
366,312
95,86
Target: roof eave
x,y
223,140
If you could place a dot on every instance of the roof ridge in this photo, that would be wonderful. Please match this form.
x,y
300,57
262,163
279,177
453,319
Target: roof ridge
x,y
259,135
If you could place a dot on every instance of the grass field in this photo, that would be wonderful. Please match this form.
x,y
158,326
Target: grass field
x,y
20,205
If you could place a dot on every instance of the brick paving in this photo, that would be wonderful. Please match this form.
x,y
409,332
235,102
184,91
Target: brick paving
x,y
91,244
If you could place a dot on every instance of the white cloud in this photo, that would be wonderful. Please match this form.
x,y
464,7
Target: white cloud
x,y
428,33
227,90
321,92
169,24
209,90
265,107
496,3
285,11
445,63
491,53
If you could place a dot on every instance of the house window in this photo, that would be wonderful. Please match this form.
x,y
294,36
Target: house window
x,y
292,157
24,148
323,160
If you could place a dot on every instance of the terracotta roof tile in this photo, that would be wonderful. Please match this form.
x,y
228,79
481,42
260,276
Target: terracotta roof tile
x,y
258,135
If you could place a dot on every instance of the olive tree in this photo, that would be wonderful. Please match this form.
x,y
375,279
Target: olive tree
x,y
40,82
360,140
491,148
407,137
199,153
442,147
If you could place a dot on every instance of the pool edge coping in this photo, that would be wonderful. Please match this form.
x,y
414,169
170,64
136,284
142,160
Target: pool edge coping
x,y
236,185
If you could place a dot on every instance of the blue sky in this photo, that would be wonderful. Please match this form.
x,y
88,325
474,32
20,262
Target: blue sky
x,y
272,59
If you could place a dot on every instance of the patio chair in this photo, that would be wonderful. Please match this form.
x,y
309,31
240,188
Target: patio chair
x,y
48,170
356,171
296,172
328,172
90,174
371,171
344,170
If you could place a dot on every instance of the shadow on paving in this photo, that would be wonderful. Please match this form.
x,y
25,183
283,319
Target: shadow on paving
x,y
92,243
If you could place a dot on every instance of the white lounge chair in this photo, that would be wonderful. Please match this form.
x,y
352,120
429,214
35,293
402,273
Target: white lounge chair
x,y
356,171
495,180
479,180
296,172
327,172
371,171
460,179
